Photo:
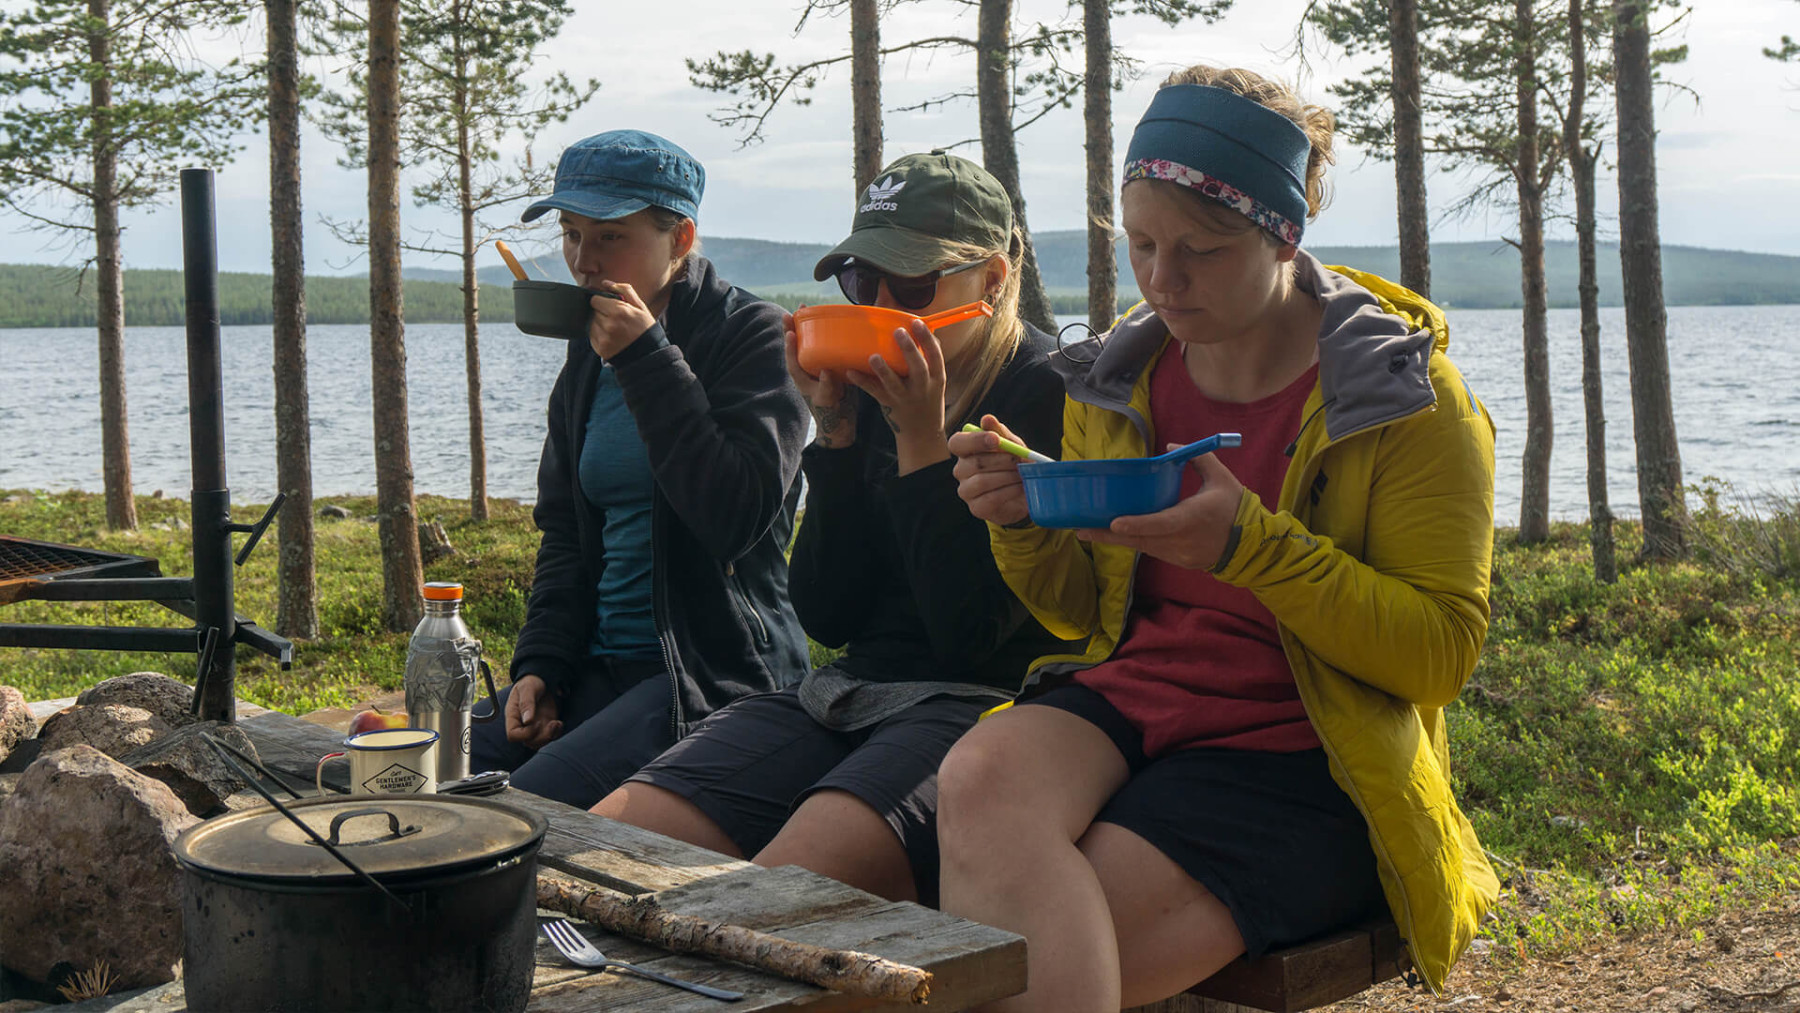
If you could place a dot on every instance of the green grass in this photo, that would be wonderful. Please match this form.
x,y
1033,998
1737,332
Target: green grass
x,y
353,659
1627,752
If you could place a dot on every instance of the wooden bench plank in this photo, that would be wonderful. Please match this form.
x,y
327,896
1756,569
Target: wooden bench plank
x,y
1302,977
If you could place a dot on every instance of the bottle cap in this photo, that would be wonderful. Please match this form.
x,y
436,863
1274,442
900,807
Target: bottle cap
x,y
440,590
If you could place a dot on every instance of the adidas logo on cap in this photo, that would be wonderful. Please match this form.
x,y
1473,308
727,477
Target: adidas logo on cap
x,y
881,196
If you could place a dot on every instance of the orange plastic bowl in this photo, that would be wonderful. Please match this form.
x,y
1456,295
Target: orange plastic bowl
x,y
843,336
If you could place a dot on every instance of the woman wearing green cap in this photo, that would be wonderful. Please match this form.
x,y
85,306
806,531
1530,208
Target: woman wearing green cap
x,y
1250,749
838,773
657,600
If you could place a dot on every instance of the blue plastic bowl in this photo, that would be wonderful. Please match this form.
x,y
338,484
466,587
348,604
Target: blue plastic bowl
x,y
1089,494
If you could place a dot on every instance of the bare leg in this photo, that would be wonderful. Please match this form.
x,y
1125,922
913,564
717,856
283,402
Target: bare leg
x,y
666,813
836,834
1171,931
1014,796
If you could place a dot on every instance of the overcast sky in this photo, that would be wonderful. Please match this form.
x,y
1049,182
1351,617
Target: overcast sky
x,y
1726,164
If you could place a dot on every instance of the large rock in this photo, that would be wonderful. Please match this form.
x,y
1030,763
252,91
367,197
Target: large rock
x,y
16,724
113,728
184,762
85,842
169,699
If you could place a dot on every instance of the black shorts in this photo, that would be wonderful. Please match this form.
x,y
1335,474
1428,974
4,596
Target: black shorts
x,y
1269,834
749,766
615,719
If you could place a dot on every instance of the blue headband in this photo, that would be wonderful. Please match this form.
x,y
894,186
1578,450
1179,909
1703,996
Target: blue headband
x,y
1238,152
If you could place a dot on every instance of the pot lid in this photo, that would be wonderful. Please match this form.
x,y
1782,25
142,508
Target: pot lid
x,y
393,834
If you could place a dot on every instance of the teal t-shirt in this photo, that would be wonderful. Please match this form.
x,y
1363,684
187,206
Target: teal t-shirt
x,y
617,481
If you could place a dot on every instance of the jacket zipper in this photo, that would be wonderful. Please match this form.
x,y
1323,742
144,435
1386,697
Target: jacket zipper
x,y
744,603
662,625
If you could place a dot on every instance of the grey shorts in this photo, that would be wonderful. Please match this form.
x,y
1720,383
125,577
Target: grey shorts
x,y
750,765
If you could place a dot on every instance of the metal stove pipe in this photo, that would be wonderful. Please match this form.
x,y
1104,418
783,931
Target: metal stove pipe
x,y
215,677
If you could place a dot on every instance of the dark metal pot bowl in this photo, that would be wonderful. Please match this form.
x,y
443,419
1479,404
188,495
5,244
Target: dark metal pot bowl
x,y
272,922
552,309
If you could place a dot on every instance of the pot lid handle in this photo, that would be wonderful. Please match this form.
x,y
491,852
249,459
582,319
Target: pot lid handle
x,y
219,748
395,831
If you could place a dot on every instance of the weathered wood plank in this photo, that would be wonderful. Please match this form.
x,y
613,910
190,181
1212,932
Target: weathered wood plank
x,y
1186,1003
1311,974
618,855
1302,977
970,963
291,746
768,899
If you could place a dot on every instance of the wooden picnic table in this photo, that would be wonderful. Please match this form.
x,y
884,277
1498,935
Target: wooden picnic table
x,y
971,963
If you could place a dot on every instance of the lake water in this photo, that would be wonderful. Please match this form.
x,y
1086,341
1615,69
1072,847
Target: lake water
x,y
1731,425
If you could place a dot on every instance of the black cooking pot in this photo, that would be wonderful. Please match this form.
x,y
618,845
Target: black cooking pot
x,y
273,921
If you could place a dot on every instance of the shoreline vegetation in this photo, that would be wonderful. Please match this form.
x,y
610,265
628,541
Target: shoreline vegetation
x,y
1625,751
1464,276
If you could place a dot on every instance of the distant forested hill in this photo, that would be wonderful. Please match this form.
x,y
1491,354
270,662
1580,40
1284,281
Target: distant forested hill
x,y
1463,275
38,296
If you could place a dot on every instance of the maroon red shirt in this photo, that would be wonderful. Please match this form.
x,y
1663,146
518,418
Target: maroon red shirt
x,y
1200,663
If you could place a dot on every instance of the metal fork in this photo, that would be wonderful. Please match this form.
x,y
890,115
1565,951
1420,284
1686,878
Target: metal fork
x,y
572,944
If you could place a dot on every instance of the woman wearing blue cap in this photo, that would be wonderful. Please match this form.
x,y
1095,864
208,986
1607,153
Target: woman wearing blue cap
x,y
1250,751
838,774
667,489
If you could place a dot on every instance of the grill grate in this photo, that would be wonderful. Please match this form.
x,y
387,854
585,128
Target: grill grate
x,y
23,559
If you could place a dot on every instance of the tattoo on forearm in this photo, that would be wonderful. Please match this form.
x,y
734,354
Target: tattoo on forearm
x,y
829,418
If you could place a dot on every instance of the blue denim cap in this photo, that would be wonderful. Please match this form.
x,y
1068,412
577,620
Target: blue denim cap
x,y
622,172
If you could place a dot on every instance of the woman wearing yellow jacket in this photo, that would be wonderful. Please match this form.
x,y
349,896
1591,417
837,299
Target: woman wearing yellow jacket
x,y
1251,749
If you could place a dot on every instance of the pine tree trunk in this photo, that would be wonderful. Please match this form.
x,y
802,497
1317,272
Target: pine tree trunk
x,y
1102,269
1409,148
1534,495
297,603
999,152
398,525
1660,493
465,192
1581,173
865,89
115,438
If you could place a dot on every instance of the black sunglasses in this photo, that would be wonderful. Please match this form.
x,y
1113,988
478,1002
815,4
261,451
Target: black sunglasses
x,y
862,284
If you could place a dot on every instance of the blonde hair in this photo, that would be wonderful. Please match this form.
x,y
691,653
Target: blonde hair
x,y
1316,121
988,354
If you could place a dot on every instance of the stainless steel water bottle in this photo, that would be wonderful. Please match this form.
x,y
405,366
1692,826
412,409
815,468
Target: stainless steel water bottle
x,y
441,662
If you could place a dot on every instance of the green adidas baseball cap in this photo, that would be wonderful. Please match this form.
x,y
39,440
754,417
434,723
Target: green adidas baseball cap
x,y
914,206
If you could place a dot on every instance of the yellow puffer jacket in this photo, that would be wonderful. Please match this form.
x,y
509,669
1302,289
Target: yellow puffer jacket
x,y
1375,563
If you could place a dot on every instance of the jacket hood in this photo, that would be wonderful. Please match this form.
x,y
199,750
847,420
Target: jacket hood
x,y
1375,345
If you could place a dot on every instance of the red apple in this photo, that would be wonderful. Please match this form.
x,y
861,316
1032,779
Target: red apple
x,y
374,720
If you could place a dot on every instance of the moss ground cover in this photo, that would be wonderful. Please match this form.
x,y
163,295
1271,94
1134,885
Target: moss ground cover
x,y
1627,752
